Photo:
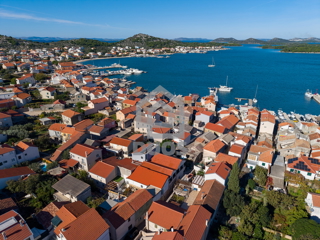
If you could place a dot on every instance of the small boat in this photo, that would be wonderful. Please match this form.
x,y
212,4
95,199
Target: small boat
x,y
212,90
225,88
308,94
255,100
213,64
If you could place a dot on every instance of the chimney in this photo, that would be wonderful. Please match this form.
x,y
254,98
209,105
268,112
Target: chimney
x,y
172,229
63,229
4,236
86,154
207,222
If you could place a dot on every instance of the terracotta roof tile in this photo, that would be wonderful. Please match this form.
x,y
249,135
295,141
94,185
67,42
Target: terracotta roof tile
x,y
214,146
82,150
18,171
69,113
121,141
166,161
148,177
230,160
102,169
165,214
220,168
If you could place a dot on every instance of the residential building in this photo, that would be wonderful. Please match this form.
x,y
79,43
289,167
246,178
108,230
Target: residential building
x,y
13,226
313,201
85,155
13,174
307,167
121,146
102,173
128,214
218,171
212,149
26,78
21,99
71,189
77,221
48,93
5,120
70,117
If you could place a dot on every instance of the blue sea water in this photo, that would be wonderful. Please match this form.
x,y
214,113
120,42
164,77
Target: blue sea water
x,y
282,78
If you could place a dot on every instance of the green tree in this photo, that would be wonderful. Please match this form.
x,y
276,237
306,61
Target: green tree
x,y
52,165
94,202
65,154
225,233
238,236
246,227
35,167
233,203
260,175
251,184
233,182
40,76
258,232
13,81
305,229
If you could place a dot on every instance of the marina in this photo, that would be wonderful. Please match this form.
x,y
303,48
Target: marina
x,y
263,67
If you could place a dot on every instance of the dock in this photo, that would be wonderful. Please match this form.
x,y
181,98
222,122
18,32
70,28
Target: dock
x,y
316,97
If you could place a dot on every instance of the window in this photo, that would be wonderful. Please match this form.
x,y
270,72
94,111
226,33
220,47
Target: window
x,y
155,226
291,170
1,163
263,164
128,219
5,161
25,154
298,171
309,174
130,227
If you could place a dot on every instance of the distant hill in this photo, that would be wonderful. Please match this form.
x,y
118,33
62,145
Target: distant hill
x,y
311,39
144,40
182,39
278,40
55,39
225,40
264,41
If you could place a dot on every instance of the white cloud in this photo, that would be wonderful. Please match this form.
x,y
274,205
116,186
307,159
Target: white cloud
x,y
12,15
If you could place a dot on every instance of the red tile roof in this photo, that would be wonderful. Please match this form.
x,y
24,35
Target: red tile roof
x,y
229,121
57,127
161,130
69,113
193,225
121,141
157,168
215,128
166,161
315,200
148,177
16,231
12,172
102,169
165,214
236,148
304,161
89,225
220,168
214,146
82,150
230,160
124,210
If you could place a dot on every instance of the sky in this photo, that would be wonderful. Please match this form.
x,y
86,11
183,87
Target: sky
x,y
167,19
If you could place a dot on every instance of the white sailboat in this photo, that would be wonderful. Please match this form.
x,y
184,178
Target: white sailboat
x,y
225,88
255,100
213,64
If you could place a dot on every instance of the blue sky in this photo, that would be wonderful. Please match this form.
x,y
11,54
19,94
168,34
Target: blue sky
x,y
167,19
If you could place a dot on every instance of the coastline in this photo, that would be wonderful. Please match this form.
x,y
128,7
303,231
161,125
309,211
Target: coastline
x,y
91,59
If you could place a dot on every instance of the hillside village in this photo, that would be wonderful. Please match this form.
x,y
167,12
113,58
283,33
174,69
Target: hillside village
x,y
84,149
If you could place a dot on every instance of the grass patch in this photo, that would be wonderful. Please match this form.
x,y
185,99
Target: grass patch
x,y
117,179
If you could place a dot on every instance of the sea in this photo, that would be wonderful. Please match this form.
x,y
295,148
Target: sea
x,y
281,79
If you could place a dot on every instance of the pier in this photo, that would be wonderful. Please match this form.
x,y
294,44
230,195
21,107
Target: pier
x,y
316,97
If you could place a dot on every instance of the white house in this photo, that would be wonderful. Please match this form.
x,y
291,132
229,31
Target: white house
x,y
307,167
267,122
218,171
145,152
313,201
102,173
26,78
85,155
